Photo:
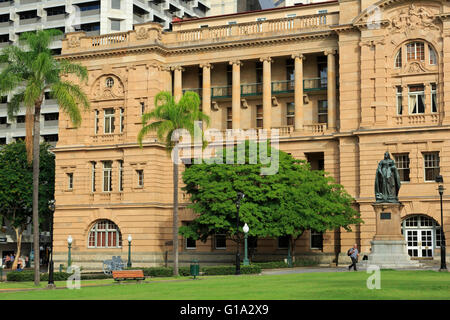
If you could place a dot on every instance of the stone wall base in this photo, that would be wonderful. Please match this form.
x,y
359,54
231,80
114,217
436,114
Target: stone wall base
x,y
389,254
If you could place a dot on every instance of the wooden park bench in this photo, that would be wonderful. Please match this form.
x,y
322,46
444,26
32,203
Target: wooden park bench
x,y
128,275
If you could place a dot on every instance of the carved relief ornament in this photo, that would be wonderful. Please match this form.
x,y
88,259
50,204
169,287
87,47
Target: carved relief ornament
x,y
413,18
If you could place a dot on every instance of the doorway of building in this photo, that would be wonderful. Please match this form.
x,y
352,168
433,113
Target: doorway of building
x,y
422,236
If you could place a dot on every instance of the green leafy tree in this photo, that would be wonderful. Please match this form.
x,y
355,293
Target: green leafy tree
x,y
287,203
29,72
168,117
16,187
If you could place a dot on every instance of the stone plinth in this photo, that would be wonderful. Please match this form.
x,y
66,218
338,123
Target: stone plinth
x,y
388,221
389,246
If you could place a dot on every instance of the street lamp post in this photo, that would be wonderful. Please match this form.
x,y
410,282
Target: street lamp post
x,y
440,180
69,258
129,251
246,230
51,283
240,196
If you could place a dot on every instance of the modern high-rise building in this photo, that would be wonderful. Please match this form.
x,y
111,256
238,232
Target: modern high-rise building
x,y
93,17
222,7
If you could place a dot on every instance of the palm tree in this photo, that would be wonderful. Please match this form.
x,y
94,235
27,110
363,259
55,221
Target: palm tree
x,y
30,70
167,117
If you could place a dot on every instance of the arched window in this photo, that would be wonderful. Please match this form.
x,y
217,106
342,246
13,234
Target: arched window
x,y
415,51
433,56
105,234
398,59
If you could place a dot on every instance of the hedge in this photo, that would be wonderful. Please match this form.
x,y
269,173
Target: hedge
x,y
22,276
229,270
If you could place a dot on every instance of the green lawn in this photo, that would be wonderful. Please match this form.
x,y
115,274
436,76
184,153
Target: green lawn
x,y
352,285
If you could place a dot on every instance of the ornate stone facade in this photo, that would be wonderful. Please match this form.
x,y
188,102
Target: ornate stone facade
x,y
343,87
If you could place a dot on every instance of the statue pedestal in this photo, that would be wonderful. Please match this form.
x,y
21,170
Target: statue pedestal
x,y
389,245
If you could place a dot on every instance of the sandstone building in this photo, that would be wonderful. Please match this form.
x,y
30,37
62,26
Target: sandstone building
x,y
344,81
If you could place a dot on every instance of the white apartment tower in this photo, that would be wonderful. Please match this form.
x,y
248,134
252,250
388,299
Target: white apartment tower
x,y
94,17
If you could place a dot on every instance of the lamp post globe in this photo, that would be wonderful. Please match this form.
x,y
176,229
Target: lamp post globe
x,y
246,229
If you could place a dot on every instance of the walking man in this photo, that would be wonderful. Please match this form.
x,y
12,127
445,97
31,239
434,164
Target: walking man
x,y
354,254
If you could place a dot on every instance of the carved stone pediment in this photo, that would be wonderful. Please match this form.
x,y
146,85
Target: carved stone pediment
x,y
411,18
415,67
108,87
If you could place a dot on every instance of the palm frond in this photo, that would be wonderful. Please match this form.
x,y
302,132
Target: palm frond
x,y
70,97
13,105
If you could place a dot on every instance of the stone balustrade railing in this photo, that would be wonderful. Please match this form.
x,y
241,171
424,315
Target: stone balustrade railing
x,y
258,27
318,128
153,33
417,119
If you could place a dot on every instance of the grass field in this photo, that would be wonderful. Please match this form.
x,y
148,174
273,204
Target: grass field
x,y
421,285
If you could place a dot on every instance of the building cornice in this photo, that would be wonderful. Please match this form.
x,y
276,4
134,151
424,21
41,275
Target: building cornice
x,y
202,47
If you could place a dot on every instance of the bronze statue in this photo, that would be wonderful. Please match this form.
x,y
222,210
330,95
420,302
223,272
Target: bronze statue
x,y
387,181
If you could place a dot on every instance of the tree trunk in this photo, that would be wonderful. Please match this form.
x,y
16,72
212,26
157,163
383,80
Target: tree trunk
x,y
175,212
19,232
293,241
36,147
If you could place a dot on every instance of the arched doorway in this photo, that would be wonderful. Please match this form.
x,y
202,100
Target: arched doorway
x,y
422,236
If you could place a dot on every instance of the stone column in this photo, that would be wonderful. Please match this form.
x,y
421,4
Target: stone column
x,y
405,100
206,95
178,83
236,94
267,93
331,88
298,90
427,93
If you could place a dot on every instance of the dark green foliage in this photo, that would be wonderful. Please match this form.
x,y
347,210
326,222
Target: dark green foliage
x,y
229,270
23,276
287,203
16,184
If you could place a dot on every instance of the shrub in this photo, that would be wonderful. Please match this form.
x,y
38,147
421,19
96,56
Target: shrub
x,y
22,276
229,270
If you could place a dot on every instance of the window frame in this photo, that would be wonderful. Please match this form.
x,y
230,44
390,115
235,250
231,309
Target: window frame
x,y
403,164
110,119
415,51
107,230
70,181
215,241
319,114
417,95
140,178
312,234
438,160
107,176
434,102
